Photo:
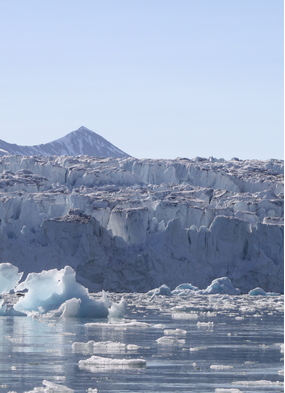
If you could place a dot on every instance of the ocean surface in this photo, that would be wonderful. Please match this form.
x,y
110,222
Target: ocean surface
x,y
187,343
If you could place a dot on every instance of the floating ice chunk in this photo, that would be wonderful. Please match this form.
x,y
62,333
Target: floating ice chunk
x,y
133,347
163,290
184,315
260,292
9,277
220,367
51,387
159,326
92,347
262,382
170,340
208,325
175,332
184,289
96,362
57,292
121,325
221,285
221,390
118,310
90,390
195,349
257,292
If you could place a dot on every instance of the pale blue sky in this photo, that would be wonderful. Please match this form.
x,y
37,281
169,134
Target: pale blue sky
x,y
157,78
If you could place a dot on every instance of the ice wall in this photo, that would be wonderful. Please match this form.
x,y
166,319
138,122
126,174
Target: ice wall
x,y
133,225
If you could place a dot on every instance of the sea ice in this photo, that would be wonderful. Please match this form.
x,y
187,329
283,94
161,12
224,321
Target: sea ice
x,y
220,367
103,362
50,387
175,332
170,340
92,347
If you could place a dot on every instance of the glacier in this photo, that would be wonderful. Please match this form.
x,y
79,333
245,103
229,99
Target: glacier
x,y
131,225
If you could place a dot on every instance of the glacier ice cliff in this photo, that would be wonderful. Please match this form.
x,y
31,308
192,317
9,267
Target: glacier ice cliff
x,y
126,224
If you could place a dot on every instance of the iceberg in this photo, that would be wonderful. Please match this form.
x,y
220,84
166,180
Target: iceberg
x,y
56,293
221,285
9,277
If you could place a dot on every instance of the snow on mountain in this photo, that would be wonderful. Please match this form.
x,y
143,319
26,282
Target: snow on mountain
x,y
80,142
126,224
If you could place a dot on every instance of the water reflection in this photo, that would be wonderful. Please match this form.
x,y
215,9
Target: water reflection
x,y
232,344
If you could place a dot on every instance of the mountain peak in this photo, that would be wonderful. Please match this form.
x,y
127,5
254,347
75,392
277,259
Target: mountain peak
x,y
79,142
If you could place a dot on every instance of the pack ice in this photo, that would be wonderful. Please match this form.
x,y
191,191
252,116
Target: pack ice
x,y
125,224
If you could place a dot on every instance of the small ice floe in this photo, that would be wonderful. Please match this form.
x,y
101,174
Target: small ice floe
x,y
195,349
170,340
207,325
261,292
184,289
50,387
159,326
133,347
119,325
220,367
184,315
90,390
92,347
96,362
163,290
262,382
221,390
175,332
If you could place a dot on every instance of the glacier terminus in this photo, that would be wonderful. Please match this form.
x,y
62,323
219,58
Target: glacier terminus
x,y
130,225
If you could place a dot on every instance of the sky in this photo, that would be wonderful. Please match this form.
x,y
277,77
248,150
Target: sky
x,y
157,78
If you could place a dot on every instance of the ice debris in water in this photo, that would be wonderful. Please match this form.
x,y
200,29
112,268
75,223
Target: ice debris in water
x,y
170,340
221,285
57,294
9,277
50,387
162,290
261,292
184,289
92,347
96,362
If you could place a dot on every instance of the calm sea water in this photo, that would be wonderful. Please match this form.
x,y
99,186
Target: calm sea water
x,y
229,344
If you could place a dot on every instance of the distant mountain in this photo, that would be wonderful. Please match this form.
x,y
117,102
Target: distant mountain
x,y
80,142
